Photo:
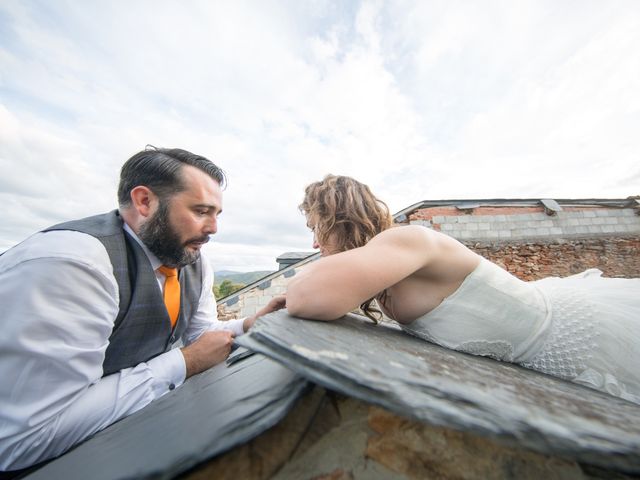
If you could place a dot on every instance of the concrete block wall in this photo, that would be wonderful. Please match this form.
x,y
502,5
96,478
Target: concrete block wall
x,y
529,223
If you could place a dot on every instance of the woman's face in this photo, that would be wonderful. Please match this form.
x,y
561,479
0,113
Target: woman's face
x,y
328,247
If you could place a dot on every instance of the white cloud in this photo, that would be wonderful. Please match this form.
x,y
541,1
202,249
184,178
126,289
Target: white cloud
x,y
422,100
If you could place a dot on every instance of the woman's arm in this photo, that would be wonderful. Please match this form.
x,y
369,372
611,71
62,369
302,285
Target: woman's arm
x,y
333,286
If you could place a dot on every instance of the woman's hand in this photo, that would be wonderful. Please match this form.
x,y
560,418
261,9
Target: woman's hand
x,y
276,303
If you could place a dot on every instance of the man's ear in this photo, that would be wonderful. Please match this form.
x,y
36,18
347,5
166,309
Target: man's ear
x,y
143,200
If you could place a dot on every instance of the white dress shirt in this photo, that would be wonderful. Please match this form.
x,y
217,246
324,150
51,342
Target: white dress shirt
x,y
59,300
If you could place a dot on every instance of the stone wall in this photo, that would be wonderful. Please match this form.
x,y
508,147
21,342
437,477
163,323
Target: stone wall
x,y
616,257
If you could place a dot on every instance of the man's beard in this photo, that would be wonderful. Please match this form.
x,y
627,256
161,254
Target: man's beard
x,y
163,240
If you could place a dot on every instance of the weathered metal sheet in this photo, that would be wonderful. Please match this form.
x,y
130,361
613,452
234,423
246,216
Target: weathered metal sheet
x,y
385,366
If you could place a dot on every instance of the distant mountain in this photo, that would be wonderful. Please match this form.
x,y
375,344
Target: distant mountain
x,y
240,277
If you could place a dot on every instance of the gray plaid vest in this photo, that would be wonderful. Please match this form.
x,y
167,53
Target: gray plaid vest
x,y
142,329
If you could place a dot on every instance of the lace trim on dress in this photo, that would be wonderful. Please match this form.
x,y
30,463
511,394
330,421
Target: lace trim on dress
x,y
571,340
496,349
420,334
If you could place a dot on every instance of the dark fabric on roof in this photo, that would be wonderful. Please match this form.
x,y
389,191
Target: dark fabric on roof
x,y
209,414
385,366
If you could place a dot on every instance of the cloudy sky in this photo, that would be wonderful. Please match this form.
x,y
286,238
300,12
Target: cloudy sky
x,y
420,99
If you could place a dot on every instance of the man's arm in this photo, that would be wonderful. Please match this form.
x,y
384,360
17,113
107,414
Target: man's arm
x,y
58,315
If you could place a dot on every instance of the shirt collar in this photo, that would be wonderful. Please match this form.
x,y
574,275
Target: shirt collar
x,y
155,262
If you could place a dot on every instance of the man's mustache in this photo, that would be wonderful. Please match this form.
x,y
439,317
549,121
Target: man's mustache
x,y
203,239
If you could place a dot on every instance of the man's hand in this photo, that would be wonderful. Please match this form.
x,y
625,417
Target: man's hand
x,y
208,350
276,303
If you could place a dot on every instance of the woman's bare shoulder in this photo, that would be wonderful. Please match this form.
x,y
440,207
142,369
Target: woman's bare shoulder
x,y
411,234
431,249
411,237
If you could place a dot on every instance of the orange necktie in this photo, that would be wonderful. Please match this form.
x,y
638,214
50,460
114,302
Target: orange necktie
x,y
171,292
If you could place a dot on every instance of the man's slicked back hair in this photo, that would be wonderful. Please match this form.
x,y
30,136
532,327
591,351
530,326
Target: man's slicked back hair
x,y
160,169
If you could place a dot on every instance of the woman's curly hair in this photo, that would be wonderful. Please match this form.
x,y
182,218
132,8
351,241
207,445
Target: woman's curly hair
x,y
347,211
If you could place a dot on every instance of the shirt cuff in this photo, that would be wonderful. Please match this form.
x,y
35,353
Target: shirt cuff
x,y
169,371
235,326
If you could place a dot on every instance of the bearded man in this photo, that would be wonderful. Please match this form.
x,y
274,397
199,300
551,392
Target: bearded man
x,y
95,310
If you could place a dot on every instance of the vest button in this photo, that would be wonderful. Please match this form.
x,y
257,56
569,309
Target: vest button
x,y
171,386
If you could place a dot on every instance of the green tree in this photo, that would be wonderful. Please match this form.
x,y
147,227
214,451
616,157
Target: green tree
x,y
226,288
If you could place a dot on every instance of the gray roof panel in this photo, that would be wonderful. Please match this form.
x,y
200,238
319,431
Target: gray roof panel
x,y
211,413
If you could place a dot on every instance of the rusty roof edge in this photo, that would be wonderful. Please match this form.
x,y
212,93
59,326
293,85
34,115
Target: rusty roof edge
x,y
520,202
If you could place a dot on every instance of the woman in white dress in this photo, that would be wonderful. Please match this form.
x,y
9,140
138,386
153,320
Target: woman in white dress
x,y
583,328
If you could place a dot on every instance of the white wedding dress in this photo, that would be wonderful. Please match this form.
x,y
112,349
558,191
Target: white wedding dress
x,y
583,328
